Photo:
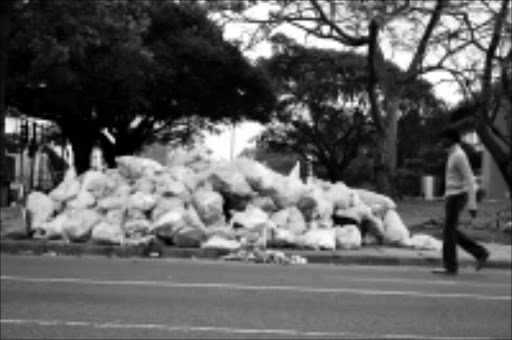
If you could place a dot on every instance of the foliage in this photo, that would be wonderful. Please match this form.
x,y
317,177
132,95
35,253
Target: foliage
x,y
145,71
465,41
323,110
320,111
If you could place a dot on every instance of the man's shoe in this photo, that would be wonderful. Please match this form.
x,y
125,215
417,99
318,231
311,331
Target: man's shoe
x,y
481,261
444,271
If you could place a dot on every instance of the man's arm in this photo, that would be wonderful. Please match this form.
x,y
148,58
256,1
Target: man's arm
x,y
469,179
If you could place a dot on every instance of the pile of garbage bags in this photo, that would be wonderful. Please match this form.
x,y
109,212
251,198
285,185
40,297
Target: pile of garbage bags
x,y
195,201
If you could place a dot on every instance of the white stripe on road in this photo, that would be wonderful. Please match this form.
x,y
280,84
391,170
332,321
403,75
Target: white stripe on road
x,y
228,330
229,286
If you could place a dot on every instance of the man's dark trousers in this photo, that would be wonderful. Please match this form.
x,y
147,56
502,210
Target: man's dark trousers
x,y
453,237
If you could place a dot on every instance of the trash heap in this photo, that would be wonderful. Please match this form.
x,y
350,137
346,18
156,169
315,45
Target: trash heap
x,y
195,201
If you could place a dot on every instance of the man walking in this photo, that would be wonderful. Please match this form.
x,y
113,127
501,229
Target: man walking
x,y
460,191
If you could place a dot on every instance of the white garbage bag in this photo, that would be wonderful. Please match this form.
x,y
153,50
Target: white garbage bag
x,y
83,200
112,202
319,239
280,237
107,233
341,196
227,179
67,189
184,175
133,168
135,214
79,224
40,207
115,216
314,205
221,243
377,202
265,203
136,227
259,177
189,237
166,204
52,229
97,183
145,185
395,231
209,205
424,242
287,191
252,218
167,225
141,201
291,219
348,237
168,186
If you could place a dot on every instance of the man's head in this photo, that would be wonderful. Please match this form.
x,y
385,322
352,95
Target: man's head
x,y
449,137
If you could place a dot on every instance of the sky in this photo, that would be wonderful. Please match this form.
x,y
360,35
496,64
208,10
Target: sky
x,y
244,133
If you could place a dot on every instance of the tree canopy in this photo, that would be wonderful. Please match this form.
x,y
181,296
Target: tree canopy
x,y
145,71
323,107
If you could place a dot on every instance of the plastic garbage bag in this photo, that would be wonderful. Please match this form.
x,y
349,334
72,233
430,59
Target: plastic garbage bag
x,y
79,224
167,225
189,237
166,204
136,227
40,207
184,175
253,217
395,231
424,242
348,237
107,233
168,186
377,202
97,183
287,192
133,168
141,201
66,190
209,206
319,239
83,200
115,216
280,237
145,185
291,219
221,243
259,177
341,196
227,179
265,203
53,229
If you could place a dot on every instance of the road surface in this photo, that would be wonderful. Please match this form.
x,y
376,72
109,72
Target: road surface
x,y
99,297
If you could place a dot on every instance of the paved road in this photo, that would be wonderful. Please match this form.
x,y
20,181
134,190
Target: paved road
x,y
97,297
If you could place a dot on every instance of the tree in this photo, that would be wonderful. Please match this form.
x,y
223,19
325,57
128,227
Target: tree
x,y
457,39
321,108
144,71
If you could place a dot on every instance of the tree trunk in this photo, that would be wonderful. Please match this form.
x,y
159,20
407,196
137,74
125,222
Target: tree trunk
x,y
385,160
499,152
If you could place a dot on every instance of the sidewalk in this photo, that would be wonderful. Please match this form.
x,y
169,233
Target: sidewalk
x,y
501,256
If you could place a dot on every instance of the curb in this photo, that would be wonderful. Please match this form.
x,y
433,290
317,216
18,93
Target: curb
x,y
338,257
